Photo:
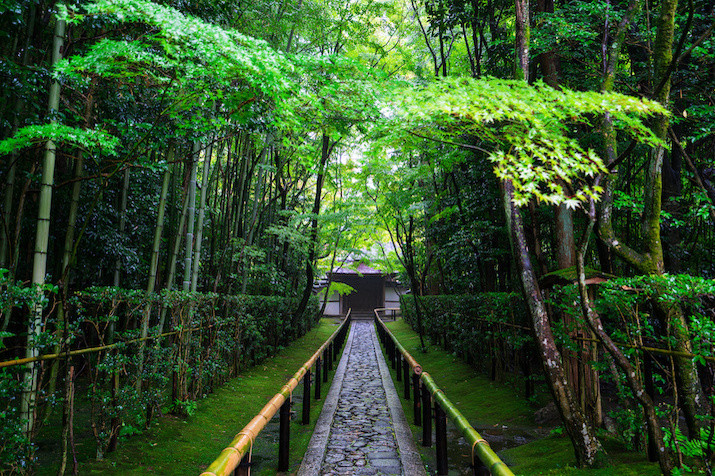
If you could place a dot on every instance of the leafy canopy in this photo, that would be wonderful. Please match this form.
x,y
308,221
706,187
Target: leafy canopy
x,y
36,134
528,132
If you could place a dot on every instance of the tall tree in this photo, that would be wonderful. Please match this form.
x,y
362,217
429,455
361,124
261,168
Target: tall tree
x,y
42,234
582,434
650,260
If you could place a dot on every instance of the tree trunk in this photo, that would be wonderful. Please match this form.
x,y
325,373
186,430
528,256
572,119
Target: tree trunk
x,y
190,217
250,225
200,221
586,446
522,39
326,149
122,226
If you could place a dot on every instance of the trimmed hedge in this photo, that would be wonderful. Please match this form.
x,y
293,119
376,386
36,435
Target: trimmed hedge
x,y
489,330
127,383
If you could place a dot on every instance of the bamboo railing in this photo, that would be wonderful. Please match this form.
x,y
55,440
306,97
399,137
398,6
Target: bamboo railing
x,y
424,392
392,310
90,350
239,450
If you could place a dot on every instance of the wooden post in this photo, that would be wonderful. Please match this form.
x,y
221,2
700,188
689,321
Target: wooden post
x,y
306,398
650,391
244,467
417,402
398,366
479,468
406,378
426,418
330,356
284,437
440,426
317,378
393,354
325,366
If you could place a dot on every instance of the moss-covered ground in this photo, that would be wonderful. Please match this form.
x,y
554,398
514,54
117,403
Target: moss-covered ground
x,y
493,406
186,446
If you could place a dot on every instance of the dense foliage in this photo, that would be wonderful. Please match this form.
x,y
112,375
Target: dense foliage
x,y
211,338
192,152
488,330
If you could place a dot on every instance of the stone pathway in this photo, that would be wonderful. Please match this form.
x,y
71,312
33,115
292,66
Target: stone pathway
x,y
362,429
361,438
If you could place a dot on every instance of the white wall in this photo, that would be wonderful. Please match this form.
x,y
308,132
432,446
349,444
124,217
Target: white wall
x,y
333,306
392,298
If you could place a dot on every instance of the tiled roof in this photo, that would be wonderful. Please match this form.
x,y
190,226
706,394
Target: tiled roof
x,y
361,269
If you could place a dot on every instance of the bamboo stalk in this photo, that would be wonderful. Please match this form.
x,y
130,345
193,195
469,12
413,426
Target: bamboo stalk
x,y
191,218
42,238
153,266
200,219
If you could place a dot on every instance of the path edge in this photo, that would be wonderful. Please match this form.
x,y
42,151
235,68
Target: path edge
x,y
409,455
314,455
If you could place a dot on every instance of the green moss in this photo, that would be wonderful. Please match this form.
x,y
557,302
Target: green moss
x,y
554,455
188,445
497,405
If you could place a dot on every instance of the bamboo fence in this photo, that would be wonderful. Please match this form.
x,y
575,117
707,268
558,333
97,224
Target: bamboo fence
x,y
89,350
241,445
481,451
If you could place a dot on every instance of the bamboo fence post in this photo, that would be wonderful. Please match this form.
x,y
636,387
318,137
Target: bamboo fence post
x,y
317,378
306,397
284,437
325,367
440,425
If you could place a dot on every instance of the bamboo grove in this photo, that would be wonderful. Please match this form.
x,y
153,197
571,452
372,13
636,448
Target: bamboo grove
x,y
175,176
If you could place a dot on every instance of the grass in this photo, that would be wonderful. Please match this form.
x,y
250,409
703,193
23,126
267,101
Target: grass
x,y
188,445
493,406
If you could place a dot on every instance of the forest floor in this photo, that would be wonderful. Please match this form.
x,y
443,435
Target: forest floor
x,y
187,445
504,418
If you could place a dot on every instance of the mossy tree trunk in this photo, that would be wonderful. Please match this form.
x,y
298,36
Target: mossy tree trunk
x,y
633,379
587,448
650,260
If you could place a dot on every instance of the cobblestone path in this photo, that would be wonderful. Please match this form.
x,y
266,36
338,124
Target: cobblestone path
x,y
362,439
